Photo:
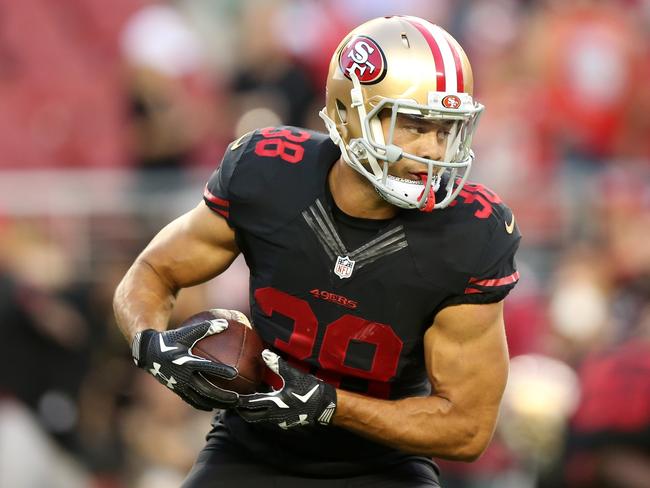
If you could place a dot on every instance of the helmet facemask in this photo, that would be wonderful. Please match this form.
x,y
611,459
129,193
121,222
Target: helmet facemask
x,y
373,153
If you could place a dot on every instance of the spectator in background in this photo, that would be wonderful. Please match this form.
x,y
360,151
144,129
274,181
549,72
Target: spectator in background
x,y
42,367
174,118
591,75
609,440
582,280
267,79
591,70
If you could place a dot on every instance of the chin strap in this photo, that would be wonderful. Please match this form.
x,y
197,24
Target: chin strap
x,y
356,96
336,137
331,127
431,198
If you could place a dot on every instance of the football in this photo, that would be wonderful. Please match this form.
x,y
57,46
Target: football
x,y
238,346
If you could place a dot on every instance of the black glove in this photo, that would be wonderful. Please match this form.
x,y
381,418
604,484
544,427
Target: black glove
x,y
166,356
302,400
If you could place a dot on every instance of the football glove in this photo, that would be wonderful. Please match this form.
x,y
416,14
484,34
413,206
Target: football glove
x,y
303,399
167,357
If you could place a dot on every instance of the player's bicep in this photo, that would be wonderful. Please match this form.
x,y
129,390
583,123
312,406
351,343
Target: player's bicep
x,y
467,359
194,248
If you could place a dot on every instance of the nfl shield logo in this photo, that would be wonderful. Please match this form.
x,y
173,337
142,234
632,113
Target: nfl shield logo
x,y
343,267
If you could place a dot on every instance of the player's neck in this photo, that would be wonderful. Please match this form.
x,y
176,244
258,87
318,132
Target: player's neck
x,y
355,196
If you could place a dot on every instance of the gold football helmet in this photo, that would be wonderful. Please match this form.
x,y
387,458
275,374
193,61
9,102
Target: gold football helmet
x,y
401,65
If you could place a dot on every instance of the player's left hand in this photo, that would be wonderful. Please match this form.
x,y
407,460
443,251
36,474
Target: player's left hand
x,y
303,399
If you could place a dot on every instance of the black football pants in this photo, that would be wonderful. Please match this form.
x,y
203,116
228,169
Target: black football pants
x,y
219,467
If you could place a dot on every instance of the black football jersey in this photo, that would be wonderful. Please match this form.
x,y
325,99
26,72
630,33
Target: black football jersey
x,y
348,299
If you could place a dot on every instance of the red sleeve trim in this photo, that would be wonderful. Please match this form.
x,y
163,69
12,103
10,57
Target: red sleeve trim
x,y
496,281
469,291
215,199
492,282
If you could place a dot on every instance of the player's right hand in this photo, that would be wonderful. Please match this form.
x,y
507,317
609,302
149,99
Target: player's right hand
x,y
166,356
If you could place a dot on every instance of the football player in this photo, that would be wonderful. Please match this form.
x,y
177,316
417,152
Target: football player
x,y
378,274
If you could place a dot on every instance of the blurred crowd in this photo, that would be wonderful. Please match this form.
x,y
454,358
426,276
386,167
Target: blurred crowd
x,y
114,114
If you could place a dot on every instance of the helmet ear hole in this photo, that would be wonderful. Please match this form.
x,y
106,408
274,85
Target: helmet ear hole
x,y
341,111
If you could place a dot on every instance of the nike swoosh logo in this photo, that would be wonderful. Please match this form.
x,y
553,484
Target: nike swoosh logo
x,y
186,359
238,142
510,227
305,398
273,399
164,347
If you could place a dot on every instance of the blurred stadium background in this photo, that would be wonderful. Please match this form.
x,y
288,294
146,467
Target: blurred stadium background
x,y
114,113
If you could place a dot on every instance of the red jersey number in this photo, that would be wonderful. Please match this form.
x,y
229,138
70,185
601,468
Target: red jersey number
x,y
283,143
478,194
339,336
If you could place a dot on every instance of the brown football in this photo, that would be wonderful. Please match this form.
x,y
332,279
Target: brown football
x,y
238,346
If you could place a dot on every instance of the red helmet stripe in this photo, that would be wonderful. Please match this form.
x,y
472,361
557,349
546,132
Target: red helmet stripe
x,y
459,65
435,51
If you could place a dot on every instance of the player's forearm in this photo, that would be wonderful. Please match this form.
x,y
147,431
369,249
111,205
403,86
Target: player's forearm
x,y
143,300
430,426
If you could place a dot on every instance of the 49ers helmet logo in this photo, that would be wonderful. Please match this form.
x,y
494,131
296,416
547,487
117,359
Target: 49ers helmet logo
x,y
363,57
451,101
